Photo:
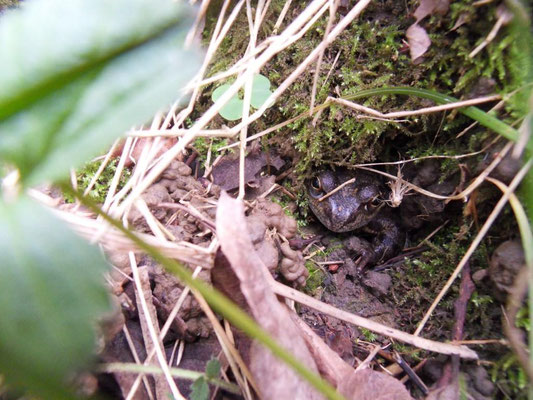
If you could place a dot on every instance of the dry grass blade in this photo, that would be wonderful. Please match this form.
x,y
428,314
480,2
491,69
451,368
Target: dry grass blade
x,y
463,194
475,243
101,168
163,333
237,365
277,45
131,345
333,4
150,324
443,348
111,239
401,114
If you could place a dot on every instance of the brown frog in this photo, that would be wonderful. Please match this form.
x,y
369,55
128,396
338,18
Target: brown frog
x,y
358,205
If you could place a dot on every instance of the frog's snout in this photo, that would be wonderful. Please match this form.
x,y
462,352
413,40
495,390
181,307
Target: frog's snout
x,y
342,216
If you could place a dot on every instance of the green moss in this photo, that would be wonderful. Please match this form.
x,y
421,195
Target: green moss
x,y
100,189
201,145
368,335
414,354
315,279
373,54
415,285
510,377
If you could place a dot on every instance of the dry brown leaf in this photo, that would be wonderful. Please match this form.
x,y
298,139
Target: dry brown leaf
x,y
273,377
368,384
417,36
331,366
226,173
428,7
419,41
448,392
360,385
463,19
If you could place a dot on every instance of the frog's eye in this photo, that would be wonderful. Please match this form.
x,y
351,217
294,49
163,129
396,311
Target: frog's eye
x,y
375,202
372,204
316,184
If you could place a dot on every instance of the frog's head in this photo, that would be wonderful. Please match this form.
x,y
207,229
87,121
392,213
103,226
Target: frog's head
x,y
352,206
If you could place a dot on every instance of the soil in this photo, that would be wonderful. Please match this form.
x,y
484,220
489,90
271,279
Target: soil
x,y
269,228
396,293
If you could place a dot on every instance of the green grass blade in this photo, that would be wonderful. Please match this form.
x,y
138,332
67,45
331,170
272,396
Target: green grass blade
x,y
475,113
218,302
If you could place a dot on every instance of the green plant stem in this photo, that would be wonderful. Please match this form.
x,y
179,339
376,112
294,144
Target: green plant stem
x,y
216,300
175,372
475,113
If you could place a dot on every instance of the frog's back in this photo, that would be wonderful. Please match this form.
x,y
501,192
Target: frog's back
x,y
351,207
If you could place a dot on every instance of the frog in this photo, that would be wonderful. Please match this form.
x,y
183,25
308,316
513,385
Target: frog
x,y
357,206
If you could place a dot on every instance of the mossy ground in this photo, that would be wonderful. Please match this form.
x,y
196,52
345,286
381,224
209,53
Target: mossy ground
x,y
372,53
100,189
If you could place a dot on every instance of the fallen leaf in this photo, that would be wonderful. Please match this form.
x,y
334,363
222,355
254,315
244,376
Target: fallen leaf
x,y
419,41
368,384
448,392
417,36
428,7
463,19
273,377
365,384
226,172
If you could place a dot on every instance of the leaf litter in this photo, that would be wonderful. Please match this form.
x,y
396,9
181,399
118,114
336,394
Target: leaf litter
x,y
192,224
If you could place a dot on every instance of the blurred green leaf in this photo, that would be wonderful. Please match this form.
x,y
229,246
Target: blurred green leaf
x,y
212,369
95,69
200,389
51,293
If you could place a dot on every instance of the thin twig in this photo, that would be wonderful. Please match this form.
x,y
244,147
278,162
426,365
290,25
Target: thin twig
x,y
150,325
463,194
421,111
503,19
299,297
473,246
332,192
332,10
365,364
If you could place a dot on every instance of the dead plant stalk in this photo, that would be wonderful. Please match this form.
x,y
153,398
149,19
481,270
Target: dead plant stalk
x,y
155,338
277,45
475,243
299,297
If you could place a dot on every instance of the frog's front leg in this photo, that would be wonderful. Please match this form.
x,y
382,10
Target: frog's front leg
x,y
388,242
